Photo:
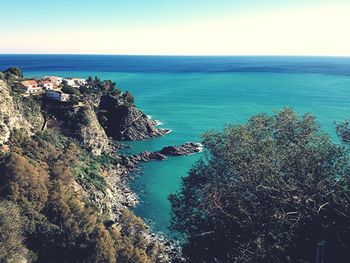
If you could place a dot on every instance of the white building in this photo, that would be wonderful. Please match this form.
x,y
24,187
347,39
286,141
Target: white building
x,y
46,84
75,82
56,81
30,86
57,95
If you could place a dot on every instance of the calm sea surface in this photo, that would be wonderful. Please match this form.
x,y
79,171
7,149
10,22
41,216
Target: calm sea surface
x,y
190,95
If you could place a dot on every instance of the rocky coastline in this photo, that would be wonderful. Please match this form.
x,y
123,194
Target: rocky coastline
x,y
99,123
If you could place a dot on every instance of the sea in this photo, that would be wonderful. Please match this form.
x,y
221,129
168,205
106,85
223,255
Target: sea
x,y
191,95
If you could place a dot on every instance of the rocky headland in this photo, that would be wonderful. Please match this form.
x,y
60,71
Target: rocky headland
x,y
93,123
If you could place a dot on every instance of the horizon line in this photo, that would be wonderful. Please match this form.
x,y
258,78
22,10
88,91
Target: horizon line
x,y
177,55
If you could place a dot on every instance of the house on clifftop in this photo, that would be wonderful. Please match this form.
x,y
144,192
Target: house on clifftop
x,y
56,81
30,86
46,84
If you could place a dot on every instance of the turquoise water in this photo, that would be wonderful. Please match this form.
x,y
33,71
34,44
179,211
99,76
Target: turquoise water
x,y
190,96
190,104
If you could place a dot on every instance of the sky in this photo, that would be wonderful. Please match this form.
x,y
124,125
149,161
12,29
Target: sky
x,y
176,27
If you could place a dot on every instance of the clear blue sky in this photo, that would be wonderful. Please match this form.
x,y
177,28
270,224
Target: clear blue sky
x,y
135,26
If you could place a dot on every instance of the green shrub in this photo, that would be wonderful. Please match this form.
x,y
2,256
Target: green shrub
x,y
69,89
90,177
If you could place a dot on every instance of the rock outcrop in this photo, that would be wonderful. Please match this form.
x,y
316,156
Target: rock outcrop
x,y
17,113
147,156
124,121
182,150
79,122
92,135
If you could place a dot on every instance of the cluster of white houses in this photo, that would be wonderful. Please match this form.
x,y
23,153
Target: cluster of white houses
x,y
51,85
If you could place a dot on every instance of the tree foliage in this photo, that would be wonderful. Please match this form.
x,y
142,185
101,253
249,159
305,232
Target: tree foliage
x,y
69,89
24,182
96,85
129,97
12,248
268,191
14,71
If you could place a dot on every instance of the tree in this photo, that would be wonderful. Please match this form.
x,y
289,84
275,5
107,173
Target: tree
x,y
12,248
75,99
129,97
24,182
267,191
69,89
14,71
103,245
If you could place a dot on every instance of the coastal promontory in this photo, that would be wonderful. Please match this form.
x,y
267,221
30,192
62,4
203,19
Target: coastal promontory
x,y
63,183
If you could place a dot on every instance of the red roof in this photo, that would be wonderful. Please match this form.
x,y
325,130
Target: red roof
x,y
30,82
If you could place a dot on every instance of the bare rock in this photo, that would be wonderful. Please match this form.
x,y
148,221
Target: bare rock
x,y
148,156
124,121
92,135
182,150
17,113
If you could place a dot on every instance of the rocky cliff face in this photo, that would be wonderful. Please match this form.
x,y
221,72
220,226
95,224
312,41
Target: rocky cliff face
x,y
123,121
92,135
17,113
116,195
79,122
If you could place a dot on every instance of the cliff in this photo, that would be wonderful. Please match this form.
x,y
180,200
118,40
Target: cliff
x,y
80,123
92,135
17,113
124,121
110,113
